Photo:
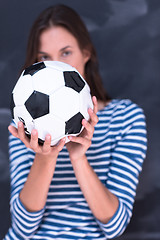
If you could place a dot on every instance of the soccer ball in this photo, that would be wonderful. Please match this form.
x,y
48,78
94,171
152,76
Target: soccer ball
x,y
53,98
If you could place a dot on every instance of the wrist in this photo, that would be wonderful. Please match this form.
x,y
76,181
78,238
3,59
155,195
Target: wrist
x,y
79,162
45,159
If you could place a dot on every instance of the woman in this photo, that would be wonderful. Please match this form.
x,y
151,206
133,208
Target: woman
x,y
84,189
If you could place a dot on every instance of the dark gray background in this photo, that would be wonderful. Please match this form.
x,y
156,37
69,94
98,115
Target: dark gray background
x,y
126,34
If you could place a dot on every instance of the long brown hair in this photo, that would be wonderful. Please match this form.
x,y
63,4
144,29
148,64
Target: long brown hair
x,y
61,15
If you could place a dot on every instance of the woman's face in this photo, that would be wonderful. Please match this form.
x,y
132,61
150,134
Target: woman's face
x,y
58,44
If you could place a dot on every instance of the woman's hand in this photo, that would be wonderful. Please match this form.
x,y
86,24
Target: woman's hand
x,y
45,150
78,145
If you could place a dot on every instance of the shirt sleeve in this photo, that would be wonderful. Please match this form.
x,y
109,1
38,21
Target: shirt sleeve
x,y
24,223
127,159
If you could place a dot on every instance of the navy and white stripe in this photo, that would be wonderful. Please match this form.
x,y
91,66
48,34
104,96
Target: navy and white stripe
x,y
116,155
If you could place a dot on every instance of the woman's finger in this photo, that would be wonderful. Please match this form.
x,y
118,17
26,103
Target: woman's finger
x,y
47,144
80,140
34,140
61,144
89,128
22,134
95,104
93,117
13,131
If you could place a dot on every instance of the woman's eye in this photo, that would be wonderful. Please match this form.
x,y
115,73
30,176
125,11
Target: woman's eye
x,y
66,53
43,58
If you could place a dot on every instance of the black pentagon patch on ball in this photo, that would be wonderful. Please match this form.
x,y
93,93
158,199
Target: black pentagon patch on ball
x,y
73,80
12,105
74,124
37,104
34,68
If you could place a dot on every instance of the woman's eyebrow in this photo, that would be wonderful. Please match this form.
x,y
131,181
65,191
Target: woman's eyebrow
x,y
62,49
41,52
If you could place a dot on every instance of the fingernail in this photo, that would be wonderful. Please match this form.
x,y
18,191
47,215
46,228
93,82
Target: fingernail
x,y
48,137
20,124
84,120
94,98
34,132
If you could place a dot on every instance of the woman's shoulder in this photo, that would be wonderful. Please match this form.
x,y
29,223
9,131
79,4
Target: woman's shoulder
x,y
123,105
121,108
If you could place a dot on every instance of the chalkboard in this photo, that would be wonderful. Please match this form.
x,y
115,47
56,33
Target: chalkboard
x,y
126,34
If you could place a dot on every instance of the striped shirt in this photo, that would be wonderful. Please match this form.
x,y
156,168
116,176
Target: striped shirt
x,y
116,155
